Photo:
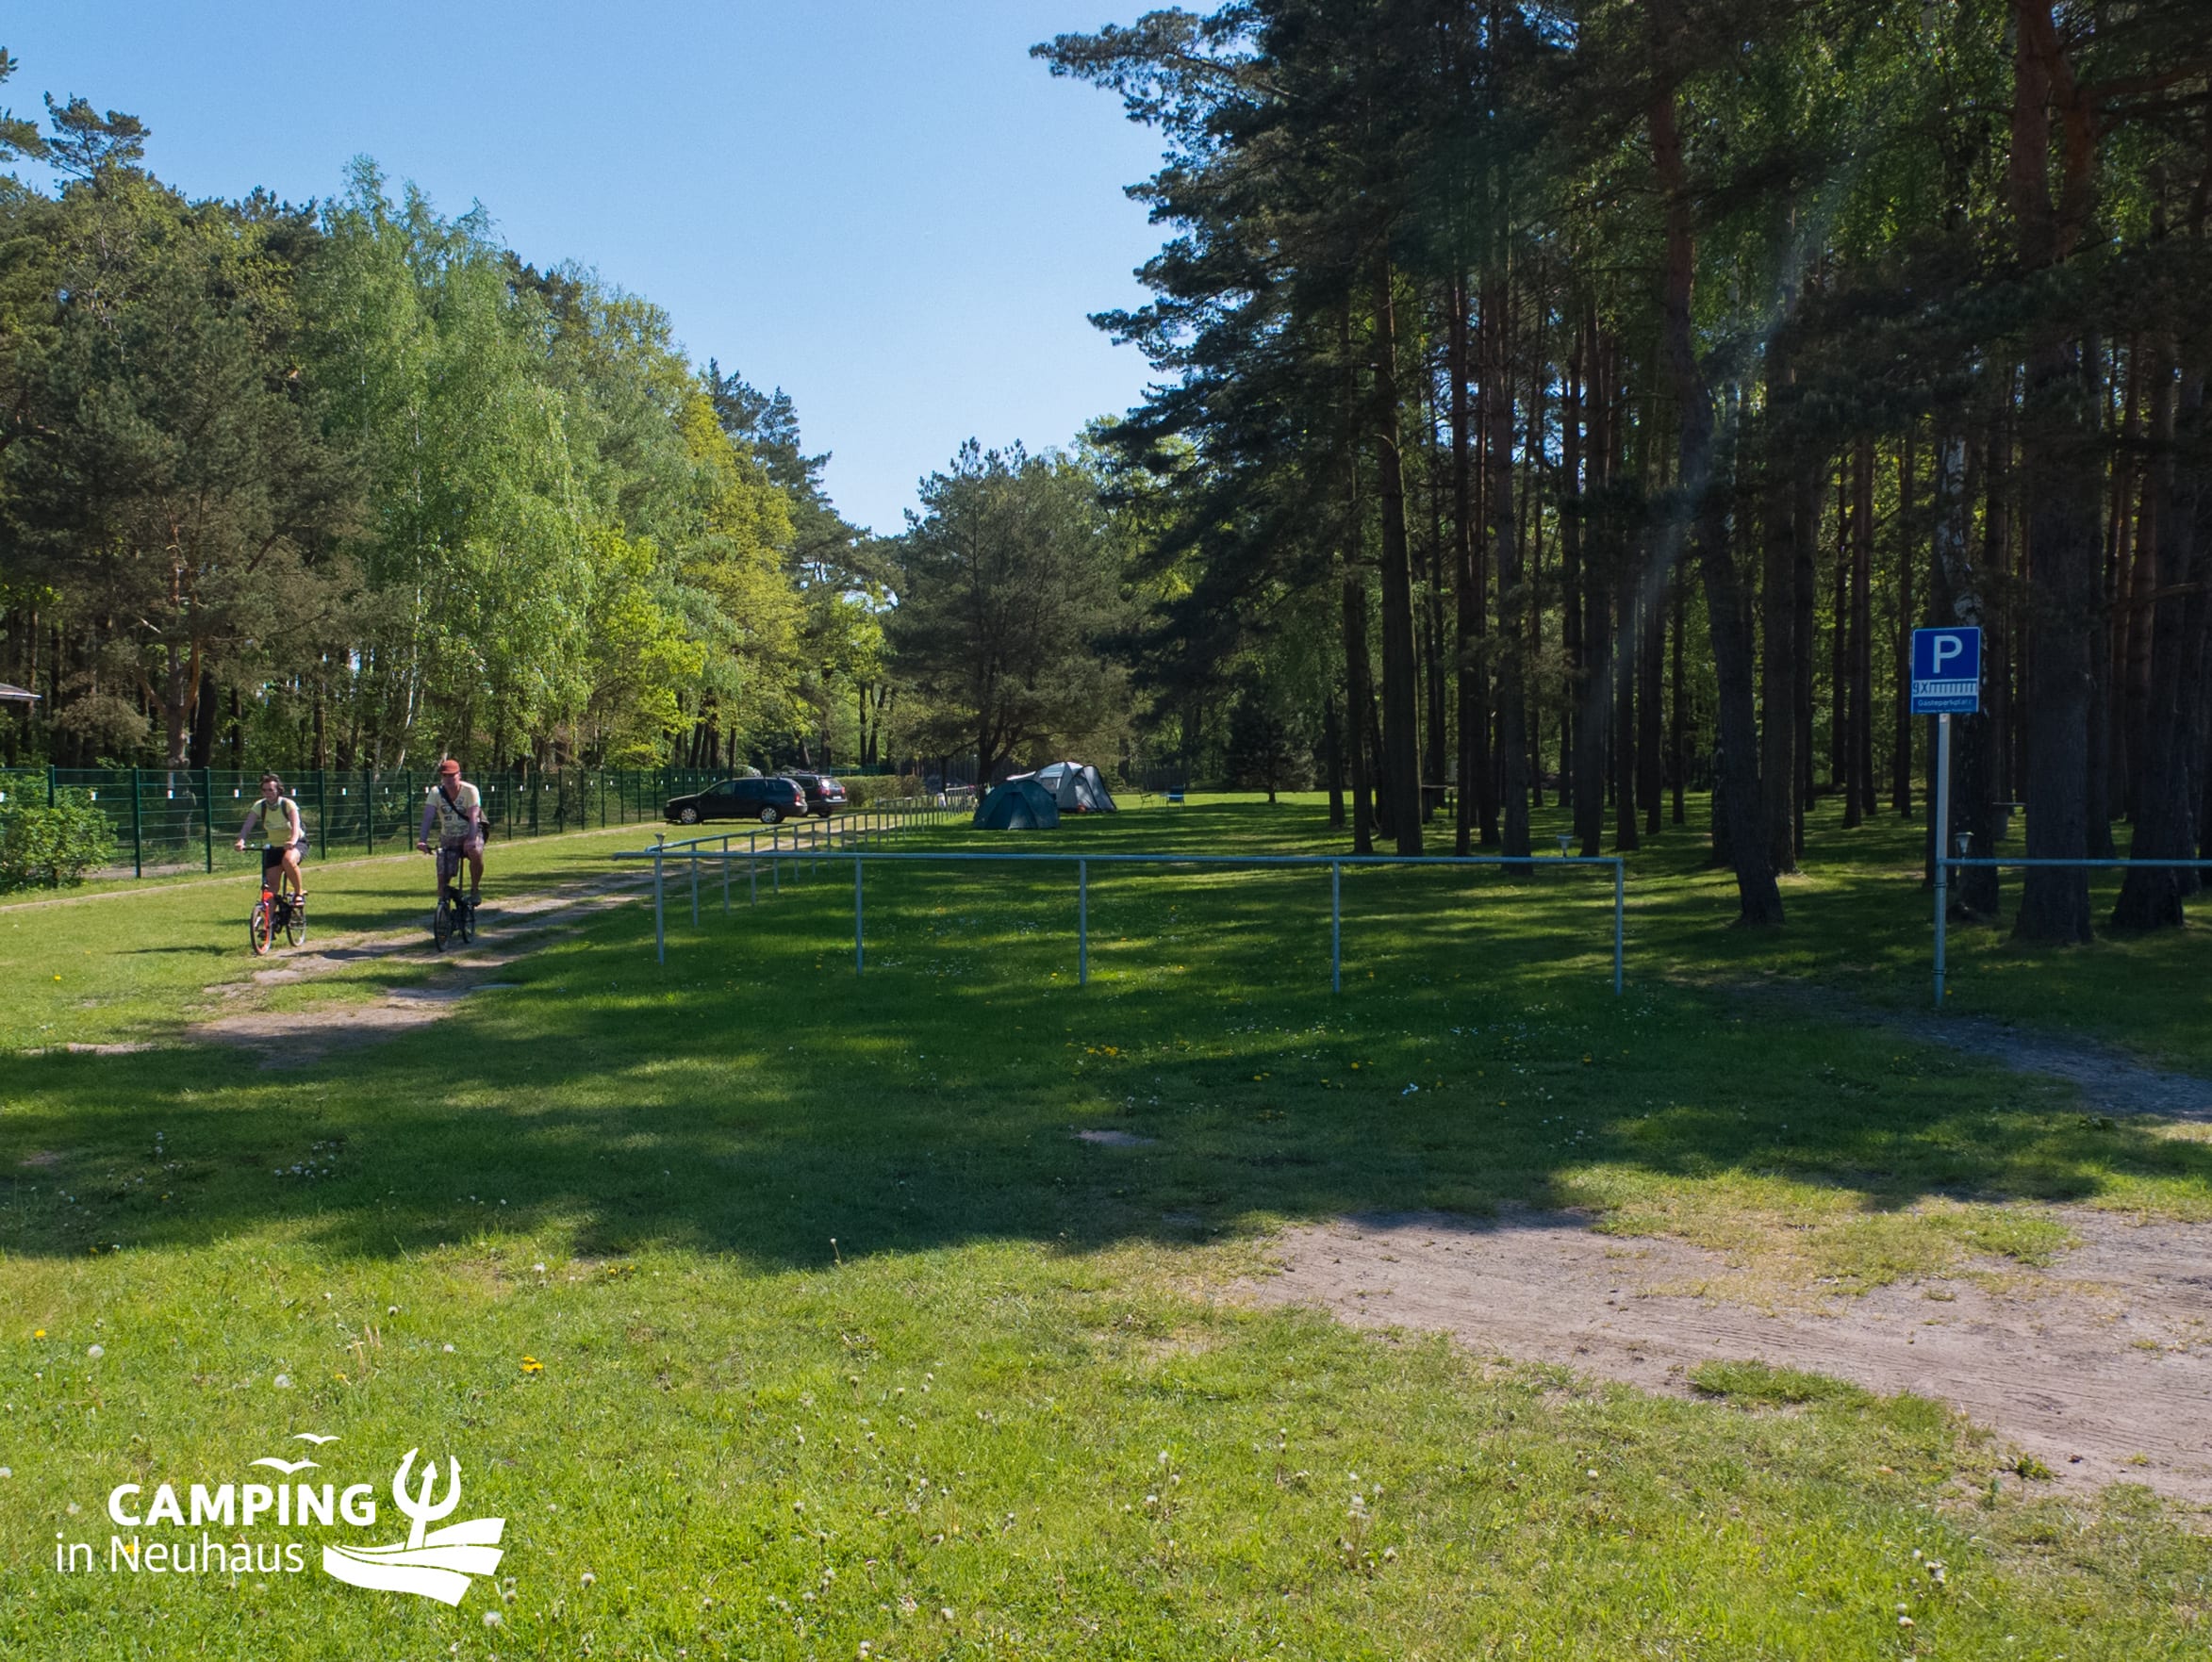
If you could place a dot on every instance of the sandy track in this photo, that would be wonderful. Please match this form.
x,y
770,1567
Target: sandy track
x,y
508,931
2103,1370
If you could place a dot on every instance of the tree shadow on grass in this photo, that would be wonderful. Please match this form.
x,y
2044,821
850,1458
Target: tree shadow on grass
x,y
752,1098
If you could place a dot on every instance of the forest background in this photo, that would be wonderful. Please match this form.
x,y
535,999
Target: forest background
x,y
1574,403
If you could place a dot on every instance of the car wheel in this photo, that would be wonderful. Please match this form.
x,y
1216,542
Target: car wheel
x,y
688,816
770,814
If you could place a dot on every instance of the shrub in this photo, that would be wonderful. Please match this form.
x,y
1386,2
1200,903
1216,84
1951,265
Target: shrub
x,y
53,848
866,790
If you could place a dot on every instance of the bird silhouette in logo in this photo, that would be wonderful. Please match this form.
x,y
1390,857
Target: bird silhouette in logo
x,y
287,1466
317,1438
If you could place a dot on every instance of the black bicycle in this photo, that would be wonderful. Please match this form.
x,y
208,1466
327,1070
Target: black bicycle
x,y
457,912
278,910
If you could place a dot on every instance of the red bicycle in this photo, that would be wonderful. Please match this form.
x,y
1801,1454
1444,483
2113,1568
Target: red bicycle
x,y
277,910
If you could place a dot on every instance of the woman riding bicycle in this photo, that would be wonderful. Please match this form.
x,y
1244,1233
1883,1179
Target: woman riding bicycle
x,y
278,818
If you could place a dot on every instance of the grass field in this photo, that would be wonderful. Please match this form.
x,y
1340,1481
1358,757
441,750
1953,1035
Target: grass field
x,y
781,1314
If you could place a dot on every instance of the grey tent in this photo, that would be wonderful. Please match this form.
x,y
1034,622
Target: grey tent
x,y
1020,804
1076,787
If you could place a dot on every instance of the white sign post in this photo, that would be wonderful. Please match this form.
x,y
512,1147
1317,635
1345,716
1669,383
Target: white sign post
x,y
1946,682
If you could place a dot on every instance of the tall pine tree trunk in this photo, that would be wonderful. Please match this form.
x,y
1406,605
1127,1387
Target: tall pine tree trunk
x,y
1728,617
1512,595
1400,774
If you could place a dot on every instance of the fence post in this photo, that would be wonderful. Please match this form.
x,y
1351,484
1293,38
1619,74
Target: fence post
x,y
1083,923
660,945
137,830
775,866
725,877
1336,979
323,811
207,813
49,784
694,885
1620,910
752,868
856,915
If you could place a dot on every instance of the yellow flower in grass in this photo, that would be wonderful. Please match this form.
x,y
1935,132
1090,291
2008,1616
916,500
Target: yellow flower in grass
x,y
532,1365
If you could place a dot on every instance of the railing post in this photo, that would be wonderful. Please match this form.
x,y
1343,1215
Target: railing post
x,y
1336,874
207,813
660,943
856,915
725,877
752,868
694,853
1083,923
1619,917
137,830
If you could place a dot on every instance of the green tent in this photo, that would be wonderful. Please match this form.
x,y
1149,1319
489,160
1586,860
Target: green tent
x,y
1020,804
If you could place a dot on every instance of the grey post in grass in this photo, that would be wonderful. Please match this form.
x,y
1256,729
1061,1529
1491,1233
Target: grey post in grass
x,y
725,877
1620,911
752,868
1336,927
1083,923
695,885
660,945
856,915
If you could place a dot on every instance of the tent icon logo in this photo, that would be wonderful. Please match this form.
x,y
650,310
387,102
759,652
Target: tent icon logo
x,y
433,1563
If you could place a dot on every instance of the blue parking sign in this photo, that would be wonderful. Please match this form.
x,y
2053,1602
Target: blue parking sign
x,y
1946,671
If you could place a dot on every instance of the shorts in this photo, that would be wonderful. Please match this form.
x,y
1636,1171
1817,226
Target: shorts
x,y
273,853
472,844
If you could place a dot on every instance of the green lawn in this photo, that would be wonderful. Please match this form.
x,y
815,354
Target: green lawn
x,y
841,1338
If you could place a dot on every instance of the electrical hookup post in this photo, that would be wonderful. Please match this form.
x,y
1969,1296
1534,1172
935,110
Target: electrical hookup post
x,y
1946,682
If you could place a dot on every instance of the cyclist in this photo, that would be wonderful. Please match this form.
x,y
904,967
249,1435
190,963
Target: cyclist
x,y
286,841
455,807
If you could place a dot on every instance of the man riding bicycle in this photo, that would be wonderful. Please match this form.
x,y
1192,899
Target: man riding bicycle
x,y
278,817
456,809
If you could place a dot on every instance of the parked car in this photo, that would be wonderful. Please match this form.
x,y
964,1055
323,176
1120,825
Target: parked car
x,y
824,795
768,800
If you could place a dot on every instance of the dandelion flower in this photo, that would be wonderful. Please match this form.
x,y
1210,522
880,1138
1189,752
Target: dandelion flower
x,y
282,1382
532,1365
587,1578
39,1334
494,1618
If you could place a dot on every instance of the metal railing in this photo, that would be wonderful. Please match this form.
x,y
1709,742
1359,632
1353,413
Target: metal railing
x,y
1959,863
692,852
178,818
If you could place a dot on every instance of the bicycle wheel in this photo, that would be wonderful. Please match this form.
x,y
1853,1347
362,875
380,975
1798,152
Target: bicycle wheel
x,y
442,922
295,922
465,920
261,928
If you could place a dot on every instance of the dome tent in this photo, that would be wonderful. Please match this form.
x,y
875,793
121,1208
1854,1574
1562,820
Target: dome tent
x,y
1076,787
1019,803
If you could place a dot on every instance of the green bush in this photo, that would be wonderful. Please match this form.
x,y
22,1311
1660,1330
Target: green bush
x,y
53,848
866,790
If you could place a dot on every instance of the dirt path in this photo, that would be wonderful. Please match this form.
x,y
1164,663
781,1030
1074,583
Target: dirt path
x,y
507,932
2103,1371
2109,1079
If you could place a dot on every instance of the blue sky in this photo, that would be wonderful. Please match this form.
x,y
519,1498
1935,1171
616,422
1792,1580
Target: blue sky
x,y
888,210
